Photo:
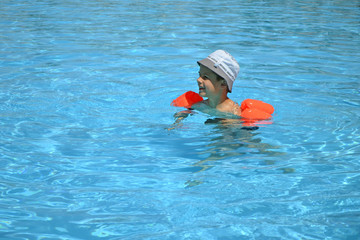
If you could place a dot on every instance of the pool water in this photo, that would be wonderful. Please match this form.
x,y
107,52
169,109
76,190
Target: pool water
x,y
85,146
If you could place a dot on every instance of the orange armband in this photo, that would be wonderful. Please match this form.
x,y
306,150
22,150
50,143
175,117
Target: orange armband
x,y
256,109
187,99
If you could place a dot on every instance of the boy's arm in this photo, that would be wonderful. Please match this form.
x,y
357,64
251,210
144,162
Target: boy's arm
x,y
179,116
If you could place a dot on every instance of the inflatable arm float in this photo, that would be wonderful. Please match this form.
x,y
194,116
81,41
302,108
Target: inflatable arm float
x,y
251,109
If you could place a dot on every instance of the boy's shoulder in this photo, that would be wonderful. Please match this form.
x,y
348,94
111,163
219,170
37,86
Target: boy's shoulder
x,y
229,106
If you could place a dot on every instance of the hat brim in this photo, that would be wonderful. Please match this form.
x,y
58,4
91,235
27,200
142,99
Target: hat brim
x,y
209,64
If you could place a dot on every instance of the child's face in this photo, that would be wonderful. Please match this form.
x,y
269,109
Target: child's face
x,y
208,83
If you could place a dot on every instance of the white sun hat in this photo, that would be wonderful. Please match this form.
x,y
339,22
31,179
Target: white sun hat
x,y
223,64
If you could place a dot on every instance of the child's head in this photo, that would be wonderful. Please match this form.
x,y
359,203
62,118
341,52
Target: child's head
x,y
224,65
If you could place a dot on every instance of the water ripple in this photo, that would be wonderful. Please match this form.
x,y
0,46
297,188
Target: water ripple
x,y
85,151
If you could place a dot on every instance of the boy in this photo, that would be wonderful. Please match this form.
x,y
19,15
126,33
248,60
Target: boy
x,y
216,77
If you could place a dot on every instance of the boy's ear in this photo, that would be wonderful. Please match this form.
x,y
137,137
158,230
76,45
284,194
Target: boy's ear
x,y
224,85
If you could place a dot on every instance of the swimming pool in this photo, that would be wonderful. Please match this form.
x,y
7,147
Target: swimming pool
x,y
85,90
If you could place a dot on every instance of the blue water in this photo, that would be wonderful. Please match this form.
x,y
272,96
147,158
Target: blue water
x,y
85,92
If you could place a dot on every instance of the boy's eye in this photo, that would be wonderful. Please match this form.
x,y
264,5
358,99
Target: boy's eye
x,y
205,77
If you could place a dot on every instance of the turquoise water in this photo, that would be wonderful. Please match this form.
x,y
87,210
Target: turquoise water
x,y
85,91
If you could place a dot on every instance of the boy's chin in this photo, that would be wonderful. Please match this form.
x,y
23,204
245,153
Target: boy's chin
x,y
203,94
